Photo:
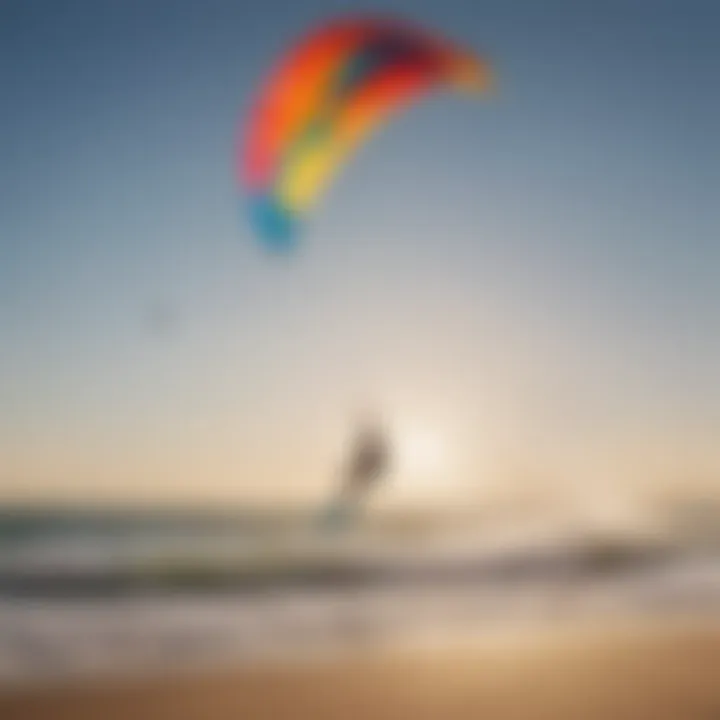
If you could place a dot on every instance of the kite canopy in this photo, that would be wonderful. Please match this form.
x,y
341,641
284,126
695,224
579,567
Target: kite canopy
x,y
323,99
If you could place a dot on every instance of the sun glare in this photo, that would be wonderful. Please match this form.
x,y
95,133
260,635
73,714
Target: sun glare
x,y
421,459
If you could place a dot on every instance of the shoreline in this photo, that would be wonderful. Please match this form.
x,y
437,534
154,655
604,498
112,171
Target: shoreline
x,y
631,670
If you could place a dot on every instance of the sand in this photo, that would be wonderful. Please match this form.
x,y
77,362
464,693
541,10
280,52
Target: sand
x,y
621,673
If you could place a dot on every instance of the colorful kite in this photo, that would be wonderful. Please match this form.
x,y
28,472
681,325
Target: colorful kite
x,y
324,97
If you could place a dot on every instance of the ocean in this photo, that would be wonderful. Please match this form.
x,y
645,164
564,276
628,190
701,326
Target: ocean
x,y
91,593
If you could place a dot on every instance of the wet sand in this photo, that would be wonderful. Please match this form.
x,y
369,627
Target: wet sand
x,y
666,672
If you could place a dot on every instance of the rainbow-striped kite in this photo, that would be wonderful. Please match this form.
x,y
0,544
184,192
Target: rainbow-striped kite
x,y
324,97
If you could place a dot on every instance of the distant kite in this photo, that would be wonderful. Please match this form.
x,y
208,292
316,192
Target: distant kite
x,y
325,96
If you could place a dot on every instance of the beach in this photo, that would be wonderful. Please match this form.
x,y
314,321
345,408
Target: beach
x,y
654,670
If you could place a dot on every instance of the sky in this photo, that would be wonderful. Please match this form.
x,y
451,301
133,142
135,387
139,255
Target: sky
x,y
526,286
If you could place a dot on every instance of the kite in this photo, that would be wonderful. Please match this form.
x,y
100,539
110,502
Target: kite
x,y
325,96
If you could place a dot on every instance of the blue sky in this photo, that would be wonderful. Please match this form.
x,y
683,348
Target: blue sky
x,y
535,275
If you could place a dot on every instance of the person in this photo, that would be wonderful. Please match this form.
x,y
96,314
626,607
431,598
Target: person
x,y
369,461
